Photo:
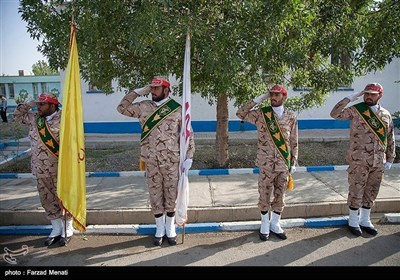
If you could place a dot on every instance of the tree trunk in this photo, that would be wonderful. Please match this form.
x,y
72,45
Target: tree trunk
x,y
222,130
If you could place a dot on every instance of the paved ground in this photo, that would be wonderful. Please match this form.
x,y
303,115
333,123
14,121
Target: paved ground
x,y
216,196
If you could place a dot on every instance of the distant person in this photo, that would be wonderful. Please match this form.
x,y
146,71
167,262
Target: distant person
x,y
161,123
276,155
3,108
371,151
44,134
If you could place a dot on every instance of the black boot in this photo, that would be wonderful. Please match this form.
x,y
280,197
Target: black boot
x,y
365,221
355,230
51,240
172,240
65,240
275,226
369,230
281,235
263,237
158,240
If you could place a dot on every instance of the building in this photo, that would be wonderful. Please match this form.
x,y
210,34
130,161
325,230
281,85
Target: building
x,y
19,88
101,116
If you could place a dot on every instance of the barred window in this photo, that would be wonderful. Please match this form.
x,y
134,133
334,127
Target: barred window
x,y
11,91
3,89
35,90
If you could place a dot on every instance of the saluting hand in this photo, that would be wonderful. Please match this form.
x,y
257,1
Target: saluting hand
x,y
354,96
143,91
261,98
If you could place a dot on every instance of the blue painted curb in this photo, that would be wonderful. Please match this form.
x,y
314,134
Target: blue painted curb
x,y
320,168
150,229
206,172
9,144
19,154
326,222
199,172
10,175
104,174
26,230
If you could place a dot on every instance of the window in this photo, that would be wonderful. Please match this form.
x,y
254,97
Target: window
x,y
43,85
11,91
35,90
93,89
3,89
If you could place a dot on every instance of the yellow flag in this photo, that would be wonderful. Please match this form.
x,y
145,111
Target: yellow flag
x,y
71,180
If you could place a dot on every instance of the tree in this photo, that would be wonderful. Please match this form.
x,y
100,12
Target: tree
x,y
41,68
381,41
239,48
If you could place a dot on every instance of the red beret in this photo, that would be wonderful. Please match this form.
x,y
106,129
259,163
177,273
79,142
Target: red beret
x,y
156,82
373,88
48,97
278,89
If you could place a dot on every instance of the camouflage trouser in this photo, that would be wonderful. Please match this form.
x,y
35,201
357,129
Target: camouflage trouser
x,y
162,183
364,184
47,188
269,184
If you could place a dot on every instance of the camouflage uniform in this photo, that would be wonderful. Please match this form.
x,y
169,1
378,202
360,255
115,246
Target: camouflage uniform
x,y
43,163
273,178
366,154
159,151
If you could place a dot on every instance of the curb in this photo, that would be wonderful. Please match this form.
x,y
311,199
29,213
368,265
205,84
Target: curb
x,y
199,172
193,228
9,144
20,154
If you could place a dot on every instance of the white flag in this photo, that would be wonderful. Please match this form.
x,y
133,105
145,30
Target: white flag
x,y
182,200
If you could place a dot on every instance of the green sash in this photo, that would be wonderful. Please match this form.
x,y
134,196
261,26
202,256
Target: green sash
x,y
276,134
158,115
373,121
46,136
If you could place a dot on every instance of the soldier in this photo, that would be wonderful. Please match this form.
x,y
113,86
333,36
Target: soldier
x,y
161,122
44,134
372,149
276,155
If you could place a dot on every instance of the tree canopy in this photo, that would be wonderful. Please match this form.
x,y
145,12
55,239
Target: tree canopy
x,y
239,47
41,68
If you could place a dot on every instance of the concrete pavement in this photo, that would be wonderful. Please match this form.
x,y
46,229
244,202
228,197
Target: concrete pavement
x,y
212,198
216,196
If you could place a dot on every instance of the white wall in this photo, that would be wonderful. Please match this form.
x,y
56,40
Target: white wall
x,y
386,77
99,107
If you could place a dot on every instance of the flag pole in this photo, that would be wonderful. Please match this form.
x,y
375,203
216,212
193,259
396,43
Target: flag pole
x,y
186,65
183,234
182,199
71,180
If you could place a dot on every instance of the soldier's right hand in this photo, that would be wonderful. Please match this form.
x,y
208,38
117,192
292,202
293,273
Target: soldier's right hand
x,y
31,103
261,98
143,91
355,96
